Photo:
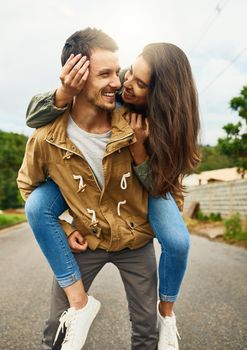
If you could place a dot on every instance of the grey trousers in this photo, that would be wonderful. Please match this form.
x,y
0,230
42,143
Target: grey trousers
x,y
139,275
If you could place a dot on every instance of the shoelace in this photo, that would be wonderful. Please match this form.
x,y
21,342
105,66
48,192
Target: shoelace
x,y
65,320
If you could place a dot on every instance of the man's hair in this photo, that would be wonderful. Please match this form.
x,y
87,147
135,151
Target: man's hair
x,y
84,41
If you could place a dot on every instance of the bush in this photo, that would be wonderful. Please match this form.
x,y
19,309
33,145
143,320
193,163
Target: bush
x,y
215,217
200,216
233,229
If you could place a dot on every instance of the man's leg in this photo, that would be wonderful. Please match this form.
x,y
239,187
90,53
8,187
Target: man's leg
x,y
139,274
90,263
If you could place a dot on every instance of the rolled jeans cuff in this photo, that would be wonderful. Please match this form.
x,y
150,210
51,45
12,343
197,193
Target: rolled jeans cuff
x,y
169,298
69,280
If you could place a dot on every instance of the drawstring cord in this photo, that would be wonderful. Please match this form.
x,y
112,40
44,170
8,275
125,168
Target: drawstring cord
x,y
118,206
94,219
82,186
123,183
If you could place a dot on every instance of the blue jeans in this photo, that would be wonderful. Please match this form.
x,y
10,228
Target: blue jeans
x,y
43,207
173,236
46,203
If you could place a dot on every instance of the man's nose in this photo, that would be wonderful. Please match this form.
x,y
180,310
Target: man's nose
x,y
116,82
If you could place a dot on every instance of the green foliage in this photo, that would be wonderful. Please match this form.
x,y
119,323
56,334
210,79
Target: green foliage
x,y
213,159
211,217
11,219
233,229
201,216
234,145
215,217
11,155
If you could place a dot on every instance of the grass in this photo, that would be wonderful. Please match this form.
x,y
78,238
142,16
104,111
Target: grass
x,y
11,219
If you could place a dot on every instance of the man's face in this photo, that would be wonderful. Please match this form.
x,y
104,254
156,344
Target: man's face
x,y
103,80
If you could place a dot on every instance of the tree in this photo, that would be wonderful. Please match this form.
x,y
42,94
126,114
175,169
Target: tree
x,y
11,155
213,159
234,144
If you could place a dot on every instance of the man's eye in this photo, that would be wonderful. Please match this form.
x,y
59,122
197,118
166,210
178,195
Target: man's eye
x,y
104,75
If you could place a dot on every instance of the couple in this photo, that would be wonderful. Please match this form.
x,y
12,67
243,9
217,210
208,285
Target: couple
x,y
101,162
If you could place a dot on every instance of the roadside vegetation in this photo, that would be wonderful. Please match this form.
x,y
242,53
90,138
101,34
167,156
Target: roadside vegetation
x,y
235,229
11,219
232,230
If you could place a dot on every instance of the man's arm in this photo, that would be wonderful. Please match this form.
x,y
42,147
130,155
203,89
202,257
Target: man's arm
x,y
46,107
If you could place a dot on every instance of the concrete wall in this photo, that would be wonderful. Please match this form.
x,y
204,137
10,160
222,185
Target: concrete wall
x,y
226,198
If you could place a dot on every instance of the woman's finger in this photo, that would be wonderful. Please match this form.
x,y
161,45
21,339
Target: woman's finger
x,y
127,117
147,126
139,124
133,120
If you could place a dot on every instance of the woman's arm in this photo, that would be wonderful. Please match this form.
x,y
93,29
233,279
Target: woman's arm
x,y
42,110
138,150
46,107
142,171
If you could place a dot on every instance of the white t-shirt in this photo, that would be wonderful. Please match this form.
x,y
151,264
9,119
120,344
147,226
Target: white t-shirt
x,y
92,146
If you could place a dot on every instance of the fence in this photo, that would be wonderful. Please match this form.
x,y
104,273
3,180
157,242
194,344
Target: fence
x,y
226,198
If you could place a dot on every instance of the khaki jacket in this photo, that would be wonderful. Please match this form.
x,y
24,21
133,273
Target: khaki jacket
x,y
113,218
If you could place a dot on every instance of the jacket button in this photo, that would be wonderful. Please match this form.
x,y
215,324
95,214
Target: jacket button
x,y
94,230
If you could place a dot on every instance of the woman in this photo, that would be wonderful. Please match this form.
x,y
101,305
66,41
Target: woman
x,y
160,87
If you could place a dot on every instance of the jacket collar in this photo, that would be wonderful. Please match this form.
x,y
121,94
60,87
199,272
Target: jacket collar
x,y
122,134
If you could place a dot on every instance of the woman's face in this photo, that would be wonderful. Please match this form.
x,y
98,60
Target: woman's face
x,y
136,84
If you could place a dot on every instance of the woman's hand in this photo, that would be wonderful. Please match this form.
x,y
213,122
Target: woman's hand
x,y
77,242
141,129
73,78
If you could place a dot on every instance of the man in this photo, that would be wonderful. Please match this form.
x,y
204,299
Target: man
x,y
118,231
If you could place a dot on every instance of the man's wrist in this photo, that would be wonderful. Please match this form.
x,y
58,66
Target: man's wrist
x,y
61,98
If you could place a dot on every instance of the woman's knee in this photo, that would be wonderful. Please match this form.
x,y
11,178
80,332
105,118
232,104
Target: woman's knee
x,y
45,199
35,204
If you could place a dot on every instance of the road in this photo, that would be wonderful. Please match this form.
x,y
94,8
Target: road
x,y
211,312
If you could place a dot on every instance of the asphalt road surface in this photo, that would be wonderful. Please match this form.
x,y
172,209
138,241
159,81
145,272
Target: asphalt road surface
x,y
211,312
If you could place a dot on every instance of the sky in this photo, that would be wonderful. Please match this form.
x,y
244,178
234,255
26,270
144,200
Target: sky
x,y
212,34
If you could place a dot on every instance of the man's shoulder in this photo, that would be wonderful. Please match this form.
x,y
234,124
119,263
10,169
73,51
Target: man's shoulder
x,y
53,126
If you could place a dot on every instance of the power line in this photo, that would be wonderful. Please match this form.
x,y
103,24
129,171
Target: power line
x,y
218,10
223,71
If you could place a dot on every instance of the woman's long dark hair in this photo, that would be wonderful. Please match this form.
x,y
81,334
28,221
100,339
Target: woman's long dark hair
x,y
173,117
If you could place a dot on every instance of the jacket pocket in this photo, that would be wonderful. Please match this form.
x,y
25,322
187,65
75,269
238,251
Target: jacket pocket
x,y
140,229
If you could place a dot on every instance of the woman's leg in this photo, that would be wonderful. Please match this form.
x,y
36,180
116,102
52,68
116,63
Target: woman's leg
x,y
43,207
173,236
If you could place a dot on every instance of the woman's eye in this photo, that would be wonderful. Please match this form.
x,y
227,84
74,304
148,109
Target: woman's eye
x,y
140,85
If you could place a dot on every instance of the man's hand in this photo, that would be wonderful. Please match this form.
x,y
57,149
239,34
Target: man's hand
x,y
73,77
140,127
77,242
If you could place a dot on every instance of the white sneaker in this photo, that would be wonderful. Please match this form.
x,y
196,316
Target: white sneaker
x,y
168,333
77,323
